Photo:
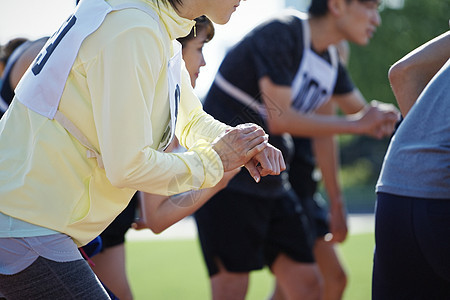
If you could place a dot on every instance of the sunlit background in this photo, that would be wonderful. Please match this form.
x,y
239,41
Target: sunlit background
x,y
36,18
33,19
406,24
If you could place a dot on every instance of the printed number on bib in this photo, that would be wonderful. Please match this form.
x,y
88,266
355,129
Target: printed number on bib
x,y
51,45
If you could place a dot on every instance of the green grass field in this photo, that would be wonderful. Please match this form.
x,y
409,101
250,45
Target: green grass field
x,y
174,269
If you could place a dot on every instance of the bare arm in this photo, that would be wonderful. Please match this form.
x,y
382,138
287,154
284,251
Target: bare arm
x,y
283,118
350,103
160,212
326,154
410,75
354,102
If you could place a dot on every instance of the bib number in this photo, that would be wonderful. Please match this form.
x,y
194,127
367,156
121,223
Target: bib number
x,y
52,44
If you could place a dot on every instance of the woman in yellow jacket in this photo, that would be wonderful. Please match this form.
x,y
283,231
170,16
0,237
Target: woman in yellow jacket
x,y
86,129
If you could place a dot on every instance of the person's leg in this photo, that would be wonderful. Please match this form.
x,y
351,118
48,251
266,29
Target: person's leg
x,y
297,280
331,270
111,270
333,276
231,229
229,285
289,252
47,279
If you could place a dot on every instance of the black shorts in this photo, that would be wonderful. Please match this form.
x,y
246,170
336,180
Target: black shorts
x,y
114,234
411,259
245,232
317,213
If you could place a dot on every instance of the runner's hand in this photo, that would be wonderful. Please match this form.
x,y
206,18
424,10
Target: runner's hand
x,y
267,162
378,120
240,144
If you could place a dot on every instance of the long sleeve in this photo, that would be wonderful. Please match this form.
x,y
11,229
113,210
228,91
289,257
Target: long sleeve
x,y
131,116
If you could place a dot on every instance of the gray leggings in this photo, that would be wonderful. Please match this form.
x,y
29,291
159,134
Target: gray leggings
x,y
47,279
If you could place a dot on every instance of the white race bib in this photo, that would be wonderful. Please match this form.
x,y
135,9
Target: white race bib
x,y
315,79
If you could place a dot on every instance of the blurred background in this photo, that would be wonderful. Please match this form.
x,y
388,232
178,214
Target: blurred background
x,y
405,25
169,265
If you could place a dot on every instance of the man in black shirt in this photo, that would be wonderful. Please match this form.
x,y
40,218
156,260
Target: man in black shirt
x,y
281,76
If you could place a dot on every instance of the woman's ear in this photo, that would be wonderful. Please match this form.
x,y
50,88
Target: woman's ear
x,y
336,7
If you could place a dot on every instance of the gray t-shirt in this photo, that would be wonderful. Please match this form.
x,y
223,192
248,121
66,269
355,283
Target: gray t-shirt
x,y
417,162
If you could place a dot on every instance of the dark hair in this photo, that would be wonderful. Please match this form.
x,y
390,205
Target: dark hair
x,y
319,8
8,49
174,3
201,23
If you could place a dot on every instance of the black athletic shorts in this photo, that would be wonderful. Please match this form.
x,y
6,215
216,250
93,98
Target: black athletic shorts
x,y
412,252
317,213
114,234
304,182
246,232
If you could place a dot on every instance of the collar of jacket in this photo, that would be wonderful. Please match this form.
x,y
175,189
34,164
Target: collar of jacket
x,y
175,25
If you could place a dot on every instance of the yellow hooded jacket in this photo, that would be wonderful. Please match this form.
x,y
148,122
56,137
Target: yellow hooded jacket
x,y
117,95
